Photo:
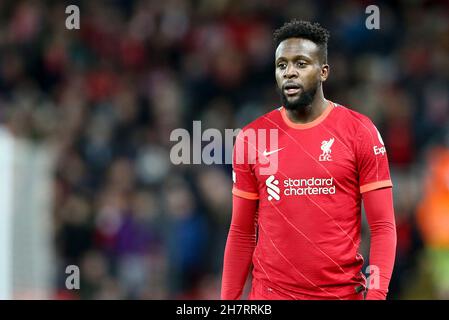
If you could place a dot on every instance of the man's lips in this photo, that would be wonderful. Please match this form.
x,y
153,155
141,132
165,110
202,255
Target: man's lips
x,y
292,89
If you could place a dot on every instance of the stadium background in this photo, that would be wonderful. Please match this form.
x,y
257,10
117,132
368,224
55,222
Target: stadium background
x,y
87,116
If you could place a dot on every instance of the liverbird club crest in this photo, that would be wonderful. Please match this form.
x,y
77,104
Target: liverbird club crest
x,y
326,148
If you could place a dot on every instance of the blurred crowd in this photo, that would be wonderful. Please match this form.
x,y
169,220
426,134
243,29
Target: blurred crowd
x,y
107,96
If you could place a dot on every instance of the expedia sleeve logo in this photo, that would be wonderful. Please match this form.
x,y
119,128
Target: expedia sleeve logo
x,y
379,150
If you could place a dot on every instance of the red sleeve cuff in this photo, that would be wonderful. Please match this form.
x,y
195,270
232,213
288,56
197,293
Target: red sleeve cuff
x,y
244,194
375,185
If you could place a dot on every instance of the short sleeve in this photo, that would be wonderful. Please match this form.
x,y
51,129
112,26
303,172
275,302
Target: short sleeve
x,y
243,177
372,160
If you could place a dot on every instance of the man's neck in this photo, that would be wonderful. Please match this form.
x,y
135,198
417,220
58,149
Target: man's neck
x,y
310,112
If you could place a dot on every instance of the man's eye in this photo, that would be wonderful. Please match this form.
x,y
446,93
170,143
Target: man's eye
x,y
302,64
282,65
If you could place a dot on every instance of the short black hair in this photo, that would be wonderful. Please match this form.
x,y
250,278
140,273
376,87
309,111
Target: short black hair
x,y
306,30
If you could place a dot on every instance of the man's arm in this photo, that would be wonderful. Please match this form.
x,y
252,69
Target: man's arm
x,y
239,247
380,215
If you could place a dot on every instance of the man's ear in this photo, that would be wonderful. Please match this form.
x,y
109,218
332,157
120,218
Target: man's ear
x,y
324,72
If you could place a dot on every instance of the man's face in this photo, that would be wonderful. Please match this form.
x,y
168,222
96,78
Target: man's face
x,y
299,72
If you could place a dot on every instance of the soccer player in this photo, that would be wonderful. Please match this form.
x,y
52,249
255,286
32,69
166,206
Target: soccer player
x,y
299,226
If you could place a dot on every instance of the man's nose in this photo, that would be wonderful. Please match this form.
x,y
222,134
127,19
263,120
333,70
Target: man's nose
x,y
290,72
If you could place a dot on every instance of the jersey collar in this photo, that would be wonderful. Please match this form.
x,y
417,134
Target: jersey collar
x,y
308,125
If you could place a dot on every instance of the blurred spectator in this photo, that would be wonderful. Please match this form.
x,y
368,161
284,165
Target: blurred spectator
x,y
186,237
433,221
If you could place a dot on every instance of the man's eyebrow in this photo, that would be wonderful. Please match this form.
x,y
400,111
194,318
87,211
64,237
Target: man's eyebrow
x,y
297,57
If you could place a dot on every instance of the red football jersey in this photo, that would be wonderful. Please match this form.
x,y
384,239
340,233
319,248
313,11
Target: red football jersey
x,y
308,179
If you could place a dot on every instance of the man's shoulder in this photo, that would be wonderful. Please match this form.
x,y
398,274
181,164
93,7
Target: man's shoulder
x,y
351,117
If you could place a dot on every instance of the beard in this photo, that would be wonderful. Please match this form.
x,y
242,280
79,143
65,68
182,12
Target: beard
x,y
299,103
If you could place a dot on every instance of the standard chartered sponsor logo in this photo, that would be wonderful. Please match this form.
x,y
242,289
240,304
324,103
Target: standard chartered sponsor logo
x,y
299,187
272,188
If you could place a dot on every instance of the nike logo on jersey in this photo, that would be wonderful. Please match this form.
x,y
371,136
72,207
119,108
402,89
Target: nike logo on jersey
x,y
267,153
